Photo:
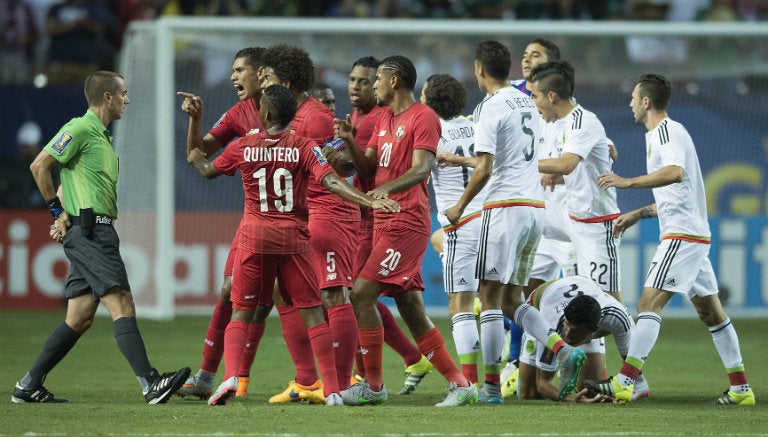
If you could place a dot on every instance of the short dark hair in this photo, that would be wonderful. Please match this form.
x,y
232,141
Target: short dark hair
x,y
284,102
553,51
445,95
494,57
292,64
583,311
657,88
319,86
556,76
252,55
401,67
367,62
99,83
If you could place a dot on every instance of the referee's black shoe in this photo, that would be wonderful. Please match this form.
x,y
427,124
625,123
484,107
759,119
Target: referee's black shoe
x,y
38,395
165,385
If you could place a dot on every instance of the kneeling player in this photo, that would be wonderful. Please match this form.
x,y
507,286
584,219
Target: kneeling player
x,y
582,314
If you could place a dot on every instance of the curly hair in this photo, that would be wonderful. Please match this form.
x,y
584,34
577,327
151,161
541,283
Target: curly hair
x,y
445,95
292,64
283,101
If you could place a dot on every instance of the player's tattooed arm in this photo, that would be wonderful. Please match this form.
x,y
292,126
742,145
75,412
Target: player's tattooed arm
x,y
625,221
648,211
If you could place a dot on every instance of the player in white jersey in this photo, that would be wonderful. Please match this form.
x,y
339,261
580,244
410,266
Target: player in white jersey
x,y
582,314
556,255
447,97
506,135
681,263
585,155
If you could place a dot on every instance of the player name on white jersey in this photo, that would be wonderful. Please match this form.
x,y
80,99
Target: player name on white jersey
x,y
462,132
520,102
281,154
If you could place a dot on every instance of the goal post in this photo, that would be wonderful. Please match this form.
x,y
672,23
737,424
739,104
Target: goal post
x,y
176,228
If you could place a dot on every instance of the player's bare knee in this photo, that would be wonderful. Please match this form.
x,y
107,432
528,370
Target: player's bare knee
x,y
261,313
79,325
226,289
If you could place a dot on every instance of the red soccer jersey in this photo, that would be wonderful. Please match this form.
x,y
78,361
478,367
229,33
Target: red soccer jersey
x,y
275,171
364,125
241,120
395,138
313,120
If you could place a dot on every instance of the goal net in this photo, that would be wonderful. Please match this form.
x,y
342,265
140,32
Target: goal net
x,y
176,227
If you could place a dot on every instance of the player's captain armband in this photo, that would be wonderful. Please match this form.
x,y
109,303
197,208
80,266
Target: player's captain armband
x,y
335,144
61,142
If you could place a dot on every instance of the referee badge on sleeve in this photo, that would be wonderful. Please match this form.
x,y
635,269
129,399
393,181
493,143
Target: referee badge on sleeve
x,y
62,142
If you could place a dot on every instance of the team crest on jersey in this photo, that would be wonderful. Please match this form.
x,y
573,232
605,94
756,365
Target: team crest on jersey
x,y
62,142
253,131
319,155
400,132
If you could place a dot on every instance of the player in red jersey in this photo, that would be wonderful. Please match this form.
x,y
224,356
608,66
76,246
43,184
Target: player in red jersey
x,y
240,120
400,154
274,237
333,224
363,119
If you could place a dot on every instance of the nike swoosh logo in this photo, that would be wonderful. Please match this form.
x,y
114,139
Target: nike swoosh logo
x,y
463,398
363,400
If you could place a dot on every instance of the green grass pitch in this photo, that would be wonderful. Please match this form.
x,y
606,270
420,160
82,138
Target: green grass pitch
x,y
684,373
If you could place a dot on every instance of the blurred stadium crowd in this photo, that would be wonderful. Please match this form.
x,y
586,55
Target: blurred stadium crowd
x,y
67,39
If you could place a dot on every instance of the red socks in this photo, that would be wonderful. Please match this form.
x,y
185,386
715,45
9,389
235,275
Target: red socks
x,y
396,338
297,342
320,338
255,332
371,344
235,337
433,347
343,325
213,346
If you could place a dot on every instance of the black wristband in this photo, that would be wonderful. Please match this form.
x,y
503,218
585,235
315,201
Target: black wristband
x,y
54,205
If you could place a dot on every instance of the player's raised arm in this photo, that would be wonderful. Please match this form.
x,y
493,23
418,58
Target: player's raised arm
x,y
364,162
193,106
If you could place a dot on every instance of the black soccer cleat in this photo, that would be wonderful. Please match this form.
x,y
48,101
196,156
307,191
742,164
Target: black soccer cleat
x,y
36,395
165,385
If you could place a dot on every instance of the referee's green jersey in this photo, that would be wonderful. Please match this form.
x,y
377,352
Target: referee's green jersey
x,y
83,147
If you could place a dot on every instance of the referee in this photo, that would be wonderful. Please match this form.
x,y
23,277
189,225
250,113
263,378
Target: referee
x,y
84,224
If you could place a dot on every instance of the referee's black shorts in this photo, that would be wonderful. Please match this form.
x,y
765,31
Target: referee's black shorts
x,y
95,264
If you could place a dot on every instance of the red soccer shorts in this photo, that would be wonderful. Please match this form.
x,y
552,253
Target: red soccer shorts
x,y
254,276
334,243
395,260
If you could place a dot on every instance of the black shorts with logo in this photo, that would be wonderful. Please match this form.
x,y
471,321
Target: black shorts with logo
x,y
95,263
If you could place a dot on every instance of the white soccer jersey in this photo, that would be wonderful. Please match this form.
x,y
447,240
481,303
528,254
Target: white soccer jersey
x,y
682,207
507,125
552,147
449,182
583,134
555,296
